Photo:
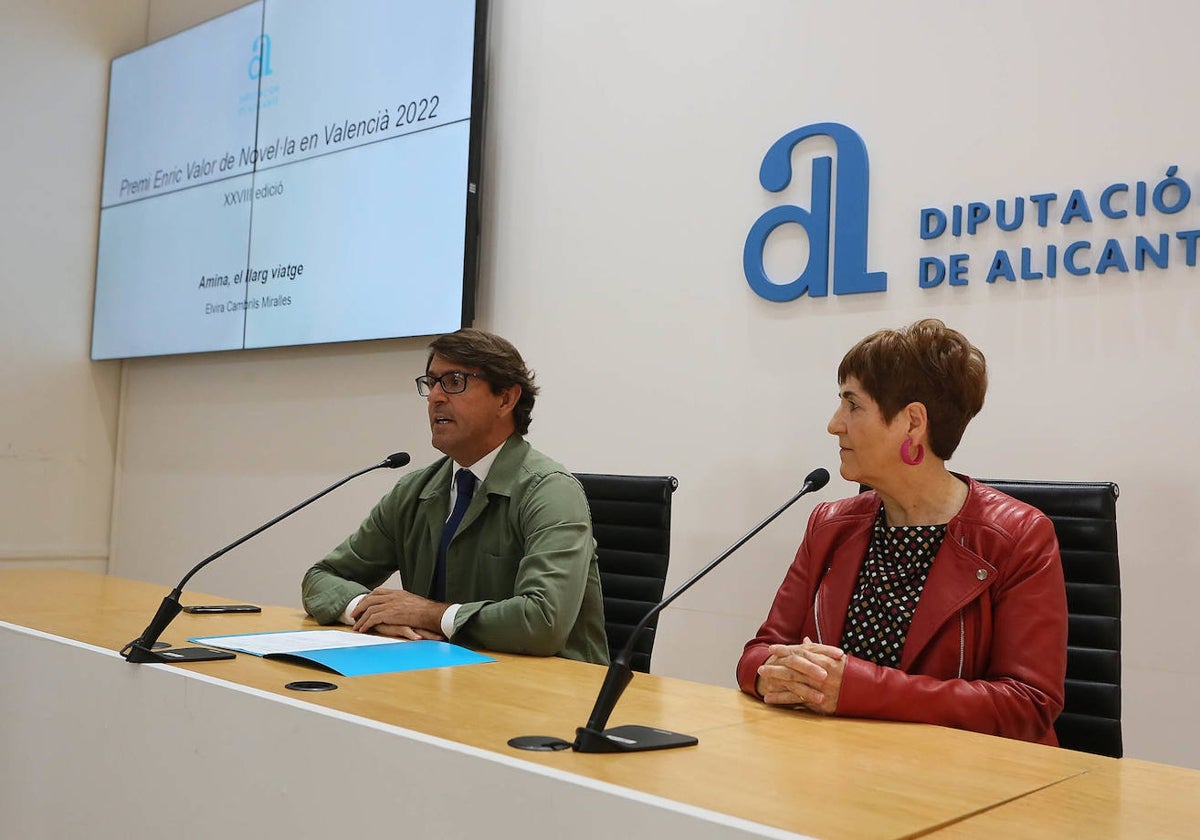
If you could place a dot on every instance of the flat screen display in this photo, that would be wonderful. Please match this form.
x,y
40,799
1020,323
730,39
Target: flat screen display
x,y
293,172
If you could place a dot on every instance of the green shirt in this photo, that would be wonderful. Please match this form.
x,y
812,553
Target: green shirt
x,y
522,563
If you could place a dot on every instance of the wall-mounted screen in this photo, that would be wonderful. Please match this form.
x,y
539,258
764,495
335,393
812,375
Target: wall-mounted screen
x,y
293,172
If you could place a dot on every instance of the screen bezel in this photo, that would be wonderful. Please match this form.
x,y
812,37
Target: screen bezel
x,y
471,223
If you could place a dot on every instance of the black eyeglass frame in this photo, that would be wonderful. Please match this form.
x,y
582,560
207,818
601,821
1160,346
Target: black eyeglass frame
x,y
427,382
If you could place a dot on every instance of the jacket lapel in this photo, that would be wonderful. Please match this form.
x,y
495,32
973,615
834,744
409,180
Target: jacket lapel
x,y
434,510
836,586
958,576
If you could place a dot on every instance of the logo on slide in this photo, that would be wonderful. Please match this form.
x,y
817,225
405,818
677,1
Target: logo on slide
x,y
260,64
849,230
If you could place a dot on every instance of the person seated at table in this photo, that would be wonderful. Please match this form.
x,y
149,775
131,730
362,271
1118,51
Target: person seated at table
x,y
493,542
931,597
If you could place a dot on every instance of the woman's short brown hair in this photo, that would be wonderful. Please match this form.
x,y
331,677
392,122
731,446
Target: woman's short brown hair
x,y
928,363
498,361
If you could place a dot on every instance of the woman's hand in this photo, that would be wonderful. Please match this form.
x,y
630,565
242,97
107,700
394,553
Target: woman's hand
x,y
807,675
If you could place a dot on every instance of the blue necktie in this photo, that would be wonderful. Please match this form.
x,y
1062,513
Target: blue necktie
x,y
464,482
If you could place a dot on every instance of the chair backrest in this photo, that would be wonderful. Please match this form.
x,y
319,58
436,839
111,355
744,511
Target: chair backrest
x,y
1085,520
631,521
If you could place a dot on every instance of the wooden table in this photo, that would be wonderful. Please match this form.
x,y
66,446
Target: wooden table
x,y
757,770
1124,798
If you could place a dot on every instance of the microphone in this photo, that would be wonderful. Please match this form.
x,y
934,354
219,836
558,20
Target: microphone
x,y
593,737
141,649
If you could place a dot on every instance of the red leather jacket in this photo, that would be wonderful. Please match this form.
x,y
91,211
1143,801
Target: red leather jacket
x,y
987,648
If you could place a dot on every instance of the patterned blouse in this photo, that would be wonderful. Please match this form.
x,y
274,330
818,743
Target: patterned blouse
x,y
889,587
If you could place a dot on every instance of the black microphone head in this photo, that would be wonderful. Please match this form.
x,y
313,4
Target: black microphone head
x,y
817,479
400,459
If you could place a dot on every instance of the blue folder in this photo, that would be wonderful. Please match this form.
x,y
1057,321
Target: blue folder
x,y
357,661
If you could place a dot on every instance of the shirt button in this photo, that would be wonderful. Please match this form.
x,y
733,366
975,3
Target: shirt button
x,y
981,574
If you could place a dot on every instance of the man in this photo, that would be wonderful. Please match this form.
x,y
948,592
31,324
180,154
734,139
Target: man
x,y
493,542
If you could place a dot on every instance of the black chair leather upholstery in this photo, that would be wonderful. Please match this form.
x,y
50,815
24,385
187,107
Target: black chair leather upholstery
x,y
631,521
1085,521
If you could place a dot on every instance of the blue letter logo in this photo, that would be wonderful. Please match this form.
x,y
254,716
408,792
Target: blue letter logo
x,y
260,65
850,275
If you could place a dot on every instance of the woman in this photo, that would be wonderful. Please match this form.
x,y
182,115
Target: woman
x,y
932,597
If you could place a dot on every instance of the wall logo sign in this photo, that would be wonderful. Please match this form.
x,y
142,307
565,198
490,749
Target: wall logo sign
x,y
1070,217
847,228
837,241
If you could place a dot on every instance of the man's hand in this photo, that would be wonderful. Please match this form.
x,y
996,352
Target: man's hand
x,y
401,614
807,675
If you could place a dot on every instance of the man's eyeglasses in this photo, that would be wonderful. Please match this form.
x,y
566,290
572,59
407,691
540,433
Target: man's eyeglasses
x,y
452,382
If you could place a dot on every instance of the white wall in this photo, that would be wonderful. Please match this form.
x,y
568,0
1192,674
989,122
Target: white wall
x,y
623,148
58,424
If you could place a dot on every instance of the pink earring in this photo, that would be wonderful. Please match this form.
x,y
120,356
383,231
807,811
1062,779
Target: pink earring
x,y
906,453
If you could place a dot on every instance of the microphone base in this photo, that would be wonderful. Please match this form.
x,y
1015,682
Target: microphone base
x,y
139,654
629,738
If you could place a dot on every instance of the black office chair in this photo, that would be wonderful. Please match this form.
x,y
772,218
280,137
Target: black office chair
x,y
631,520
1085,520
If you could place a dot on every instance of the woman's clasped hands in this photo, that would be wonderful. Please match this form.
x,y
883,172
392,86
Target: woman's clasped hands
x,y
807,675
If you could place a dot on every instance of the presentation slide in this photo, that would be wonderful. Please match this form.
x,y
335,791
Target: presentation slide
x,y
293,172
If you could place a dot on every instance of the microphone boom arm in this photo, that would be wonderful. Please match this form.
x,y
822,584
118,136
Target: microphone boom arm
x,y
141,649
592,737
603,708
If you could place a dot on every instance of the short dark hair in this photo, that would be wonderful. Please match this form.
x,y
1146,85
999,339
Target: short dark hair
x,y
926,362
498,361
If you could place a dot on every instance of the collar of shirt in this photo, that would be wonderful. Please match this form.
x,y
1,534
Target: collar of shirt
x,y
479,469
